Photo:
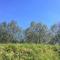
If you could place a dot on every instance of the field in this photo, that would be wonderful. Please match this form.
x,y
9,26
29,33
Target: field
x,y
29,52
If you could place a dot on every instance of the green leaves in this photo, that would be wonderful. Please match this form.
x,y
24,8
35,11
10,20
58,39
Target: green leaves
x,y
37,33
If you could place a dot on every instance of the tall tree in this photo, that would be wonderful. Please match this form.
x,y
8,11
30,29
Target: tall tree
x,y
55,31
9,32
37,33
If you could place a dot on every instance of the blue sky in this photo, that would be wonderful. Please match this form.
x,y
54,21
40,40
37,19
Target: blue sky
x,y
25,11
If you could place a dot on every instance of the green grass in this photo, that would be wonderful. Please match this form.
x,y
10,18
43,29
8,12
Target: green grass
x,y
29,52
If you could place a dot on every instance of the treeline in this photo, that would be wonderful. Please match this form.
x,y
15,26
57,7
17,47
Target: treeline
x,y
35,33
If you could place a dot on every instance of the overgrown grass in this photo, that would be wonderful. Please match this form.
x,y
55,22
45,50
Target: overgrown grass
x,y
29,52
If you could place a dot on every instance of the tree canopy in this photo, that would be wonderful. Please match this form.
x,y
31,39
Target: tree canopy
x,y
35,33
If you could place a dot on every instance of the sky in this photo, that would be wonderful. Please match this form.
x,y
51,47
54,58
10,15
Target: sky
x,y
26,11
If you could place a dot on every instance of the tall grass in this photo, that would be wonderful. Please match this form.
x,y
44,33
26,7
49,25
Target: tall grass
x,y
29,52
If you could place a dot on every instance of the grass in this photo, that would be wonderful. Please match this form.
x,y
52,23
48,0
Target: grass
x,y
29,52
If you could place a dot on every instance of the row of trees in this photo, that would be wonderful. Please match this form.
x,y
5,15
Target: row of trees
x,y
36,33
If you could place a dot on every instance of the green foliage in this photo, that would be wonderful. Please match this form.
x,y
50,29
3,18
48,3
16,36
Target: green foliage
x,y
9,32
35,33
29,52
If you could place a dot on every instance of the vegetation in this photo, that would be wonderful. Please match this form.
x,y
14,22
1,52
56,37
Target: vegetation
x,y
43,43
29,52
35,33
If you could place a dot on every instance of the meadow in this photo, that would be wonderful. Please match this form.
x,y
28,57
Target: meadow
x,y
29,52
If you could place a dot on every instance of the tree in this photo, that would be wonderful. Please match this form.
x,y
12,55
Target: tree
x,y
55,31
4,36
9,32
37,33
